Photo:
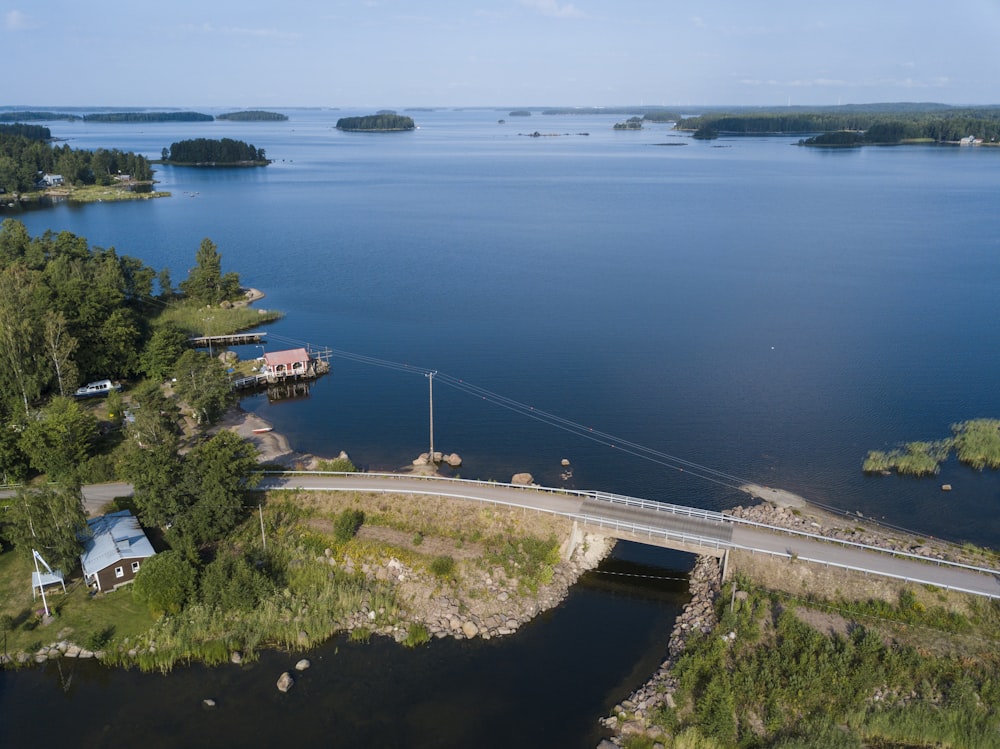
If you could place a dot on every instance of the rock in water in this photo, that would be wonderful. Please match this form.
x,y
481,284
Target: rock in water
x,y
302,665
522,479
285,682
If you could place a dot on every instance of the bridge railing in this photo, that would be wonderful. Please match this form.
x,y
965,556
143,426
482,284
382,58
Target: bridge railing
x,y
648,505
665,507
856,545
864,570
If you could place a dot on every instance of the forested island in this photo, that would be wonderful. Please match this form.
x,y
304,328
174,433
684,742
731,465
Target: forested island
x,y
33,116
850,126
210,152
148,117
376,123
30,164
253,115
632,123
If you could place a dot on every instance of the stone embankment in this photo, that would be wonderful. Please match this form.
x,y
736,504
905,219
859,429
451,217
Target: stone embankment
x,y
631,716
857,530
480,603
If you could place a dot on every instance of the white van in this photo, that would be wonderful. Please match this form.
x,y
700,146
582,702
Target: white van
x,y
101,387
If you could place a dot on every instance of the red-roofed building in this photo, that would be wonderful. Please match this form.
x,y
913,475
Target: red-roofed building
x,y
291,364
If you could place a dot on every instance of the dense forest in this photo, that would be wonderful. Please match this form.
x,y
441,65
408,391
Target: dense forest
x,y
881,127
31,132
22,159
632,123
208,152
71,313
376,123
148,117
31,116
253,115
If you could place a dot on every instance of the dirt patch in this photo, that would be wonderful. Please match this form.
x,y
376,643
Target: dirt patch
x,y
826,622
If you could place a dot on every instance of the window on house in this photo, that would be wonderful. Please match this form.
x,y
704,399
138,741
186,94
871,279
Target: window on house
x,y
119,572
135,566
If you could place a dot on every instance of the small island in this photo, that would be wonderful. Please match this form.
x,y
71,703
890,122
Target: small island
x,y
376,123
148,117
632,123
209,152
253,115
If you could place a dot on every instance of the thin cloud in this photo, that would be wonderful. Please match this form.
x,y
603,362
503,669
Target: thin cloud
x,y
15,20
207,28
553,9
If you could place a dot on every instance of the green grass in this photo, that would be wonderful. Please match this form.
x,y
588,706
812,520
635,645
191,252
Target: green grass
x,y
914,459
78,616
201,320
975,442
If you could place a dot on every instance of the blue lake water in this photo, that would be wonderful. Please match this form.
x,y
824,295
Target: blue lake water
x,y
768,311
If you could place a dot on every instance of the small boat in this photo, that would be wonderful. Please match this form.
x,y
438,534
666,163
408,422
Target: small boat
x,y
262,430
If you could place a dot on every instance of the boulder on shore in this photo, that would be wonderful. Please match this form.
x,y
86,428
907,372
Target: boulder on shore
x,y
453,460
522,479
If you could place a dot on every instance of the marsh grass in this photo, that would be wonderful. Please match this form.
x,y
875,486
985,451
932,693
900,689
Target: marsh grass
x,y
975,443
201,320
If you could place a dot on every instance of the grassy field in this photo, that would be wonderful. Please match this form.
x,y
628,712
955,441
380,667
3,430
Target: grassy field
x,y
79,617
201,320
308,598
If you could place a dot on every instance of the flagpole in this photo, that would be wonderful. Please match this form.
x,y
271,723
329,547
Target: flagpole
x,y
41,588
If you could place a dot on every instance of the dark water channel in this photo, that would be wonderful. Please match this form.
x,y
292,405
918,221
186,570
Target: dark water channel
x,y
547,685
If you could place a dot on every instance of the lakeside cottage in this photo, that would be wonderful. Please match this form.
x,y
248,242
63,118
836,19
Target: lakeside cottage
x,y
114,551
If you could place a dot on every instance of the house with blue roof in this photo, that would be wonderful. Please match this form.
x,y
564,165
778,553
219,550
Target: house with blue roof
x,y
114,551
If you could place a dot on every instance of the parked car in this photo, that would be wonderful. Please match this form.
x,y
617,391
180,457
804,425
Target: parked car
x,y
101,387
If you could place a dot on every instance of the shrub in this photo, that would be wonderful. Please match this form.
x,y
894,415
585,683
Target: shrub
x,y
417,635
347,525
443,566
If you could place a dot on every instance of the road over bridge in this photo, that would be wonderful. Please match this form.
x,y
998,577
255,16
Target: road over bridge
x,y
661,524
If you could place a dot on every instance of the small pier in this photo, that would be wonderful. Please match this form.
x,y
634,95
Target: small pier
x,y
283,367
224,341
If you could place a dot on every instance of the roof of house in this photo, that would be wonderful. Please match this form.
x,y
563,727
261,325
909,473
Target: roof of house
x,y
116,536
286,358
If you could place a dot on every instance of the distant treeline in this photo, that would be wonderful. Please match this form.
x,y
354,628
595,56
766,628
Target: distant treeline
x,y
376,123
148,117
31,132
205,151
23,159
28,116
939,125
253,115
652,114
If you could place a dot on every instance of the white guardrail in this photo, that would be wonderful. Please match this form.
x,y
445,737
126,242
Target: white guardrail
x,y
647,504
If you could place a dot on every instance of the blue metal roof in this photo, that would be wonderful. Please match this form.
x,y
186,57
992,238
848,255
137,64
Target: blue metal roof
x,y
115,537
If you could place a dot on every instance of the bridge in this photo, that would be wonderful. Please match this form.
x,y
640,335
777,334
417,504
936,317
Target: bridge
x,y
661,524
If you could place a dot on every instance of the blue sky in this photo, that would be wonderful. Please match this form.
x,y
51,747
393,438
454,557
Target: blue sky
x,y
397,53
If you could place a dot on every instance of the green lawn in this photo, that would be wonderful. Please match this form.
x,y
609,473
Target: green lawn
x,y
79,617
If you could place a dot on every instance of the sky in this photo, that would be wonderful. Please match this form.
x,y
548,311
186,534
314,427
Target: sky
x,y
450,53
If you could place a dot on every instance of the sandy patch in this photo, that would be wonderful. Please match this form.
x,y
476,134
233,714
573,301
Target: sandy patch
x,y
777,497
272,447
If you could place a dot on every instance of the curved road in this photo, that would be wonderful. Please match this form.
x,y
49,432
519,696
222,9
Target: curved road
x,y
643,521
663,525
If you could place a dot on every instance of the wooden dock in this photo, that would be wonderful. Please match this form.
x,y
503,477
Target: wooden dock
x,y
222,341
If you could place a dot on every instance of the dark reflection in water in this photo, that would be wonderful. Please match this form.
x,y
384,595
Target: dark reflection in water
x,y
545,686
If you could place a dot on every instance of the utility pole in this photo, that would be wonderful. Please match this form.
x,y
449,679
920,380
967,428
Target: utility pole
x,y
430,383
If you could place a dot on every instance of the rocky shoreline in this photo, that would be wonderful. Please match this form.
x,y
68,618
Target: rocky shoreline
x,y
486,604
631,716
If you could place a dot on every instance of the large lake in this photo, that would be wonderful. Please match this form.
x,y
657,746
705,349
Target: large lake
x,y
768,311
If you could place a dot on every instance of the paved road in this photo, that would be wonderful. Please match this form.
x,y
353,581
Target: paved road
x,y
708,529
633,519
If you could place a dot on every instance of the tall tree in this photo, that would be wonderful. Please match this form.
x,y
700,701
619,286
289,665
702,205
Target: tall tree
x,y
203,384
58,441
49,519
22,376
205,282
218,474
59,349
